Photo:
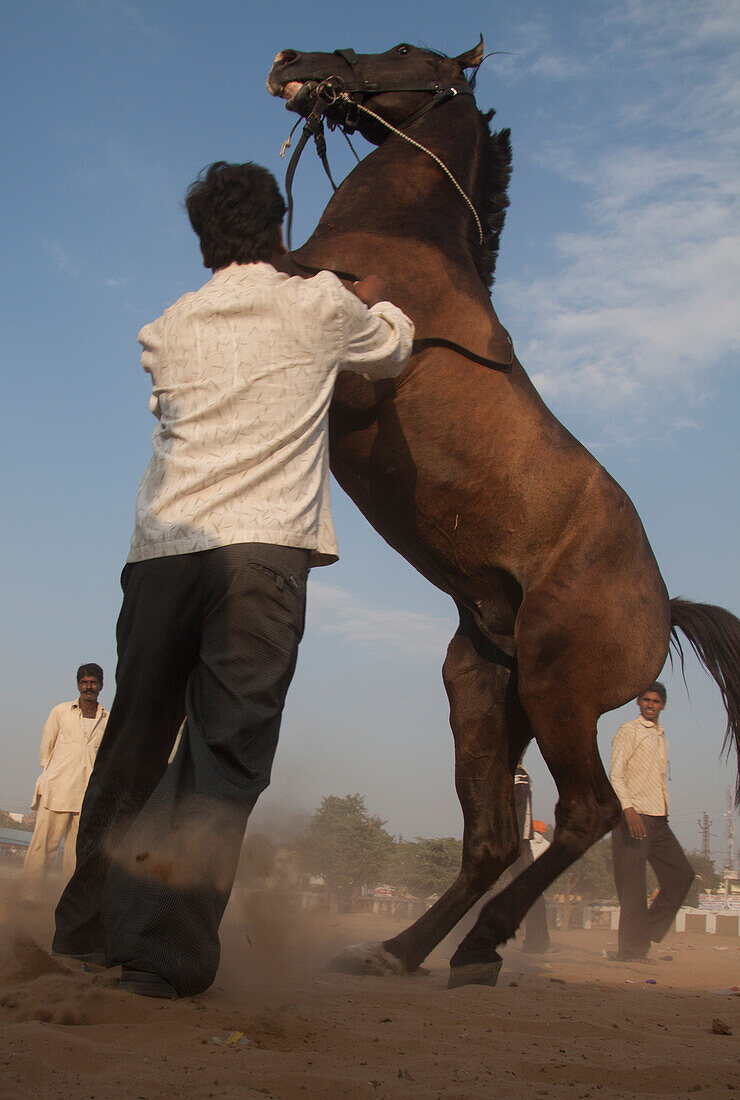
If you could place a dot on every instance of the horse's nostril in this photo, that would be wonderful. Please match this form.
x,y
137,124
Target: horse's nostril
x,y
285,57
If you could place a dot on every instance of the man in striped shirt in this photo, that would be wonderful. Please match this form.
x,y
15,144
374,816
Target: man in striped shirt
x,y
638,775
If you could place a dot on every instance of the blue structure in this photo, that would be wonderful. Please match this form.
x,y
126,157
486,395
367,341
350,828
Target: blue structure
x,y
14,838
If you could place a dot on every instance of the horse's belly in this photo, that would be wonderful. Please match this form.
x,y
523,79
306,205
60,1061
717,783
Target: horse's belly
x,y
467,487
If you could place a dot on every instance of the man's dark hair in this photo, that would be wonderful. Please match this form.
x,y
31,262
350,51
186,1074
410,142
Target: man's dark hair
x,y
658,688
236,210
90,670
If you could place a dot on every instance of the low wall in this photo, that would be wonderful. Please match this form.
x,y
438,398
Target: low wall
x,y
720,922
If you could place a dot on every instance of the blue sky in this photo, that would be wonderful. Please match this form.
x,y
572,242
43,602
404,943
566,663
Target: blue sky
x,y
617,277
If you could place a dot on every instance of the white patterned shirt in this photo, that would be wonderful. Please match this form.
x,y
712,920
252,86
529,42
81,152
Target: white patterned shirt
x,y
243,372
638,767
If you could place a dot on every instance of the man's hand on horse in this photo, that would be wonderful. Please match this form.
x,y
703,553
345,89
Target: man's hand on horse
x,y
370,290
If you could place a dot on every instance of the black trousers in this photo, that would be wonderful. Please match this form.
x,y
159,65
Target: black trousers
x,y
638,924
536,932
211,638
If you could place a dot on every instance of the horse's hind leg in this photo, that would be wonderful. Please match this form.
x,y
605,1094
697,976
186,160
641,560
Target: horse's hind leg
x,y
490,732
587,808
568,675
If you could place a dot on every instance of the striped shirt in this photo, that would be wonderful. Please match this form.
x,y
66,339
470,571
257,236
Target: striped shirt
x,y
638,767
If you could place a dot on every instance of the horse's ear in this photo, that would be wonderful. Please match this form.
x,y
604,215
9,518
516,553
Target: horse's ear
x,y
471,59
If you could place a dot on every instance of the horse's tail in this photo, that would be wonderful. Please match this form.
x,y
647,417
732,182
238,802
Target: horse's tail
x,y
715,638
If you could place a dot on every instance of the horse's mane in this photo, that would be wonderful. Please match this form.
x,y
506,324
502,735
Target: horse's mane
x,y
491,198
492,184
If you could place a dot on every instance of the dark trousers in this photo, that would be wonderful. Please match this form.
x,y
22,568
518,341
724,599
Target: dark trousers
x,y
536,932
211,638
638,924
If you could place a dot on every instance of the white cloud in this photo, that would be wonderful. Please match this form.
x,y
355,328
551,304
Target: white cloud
x,y
528,51
61,258
384,631
556,67
644,299
121,13
73,266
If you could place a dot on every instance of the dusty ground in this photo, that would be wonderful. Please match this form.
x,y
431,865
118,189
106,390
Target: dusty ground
x,y
567,1024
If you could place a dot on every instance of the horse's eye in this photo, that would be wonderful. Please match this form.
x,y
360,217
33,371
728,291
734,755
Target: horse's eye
x,y
402,51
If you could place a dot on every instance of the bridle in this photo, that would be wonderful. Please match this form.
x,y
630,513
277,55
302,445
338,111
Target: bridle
x,y
334,102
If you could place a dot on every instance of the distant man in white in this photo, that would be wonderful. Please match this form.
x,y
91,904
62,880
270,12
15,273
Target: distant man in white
x,y
69,745
638,775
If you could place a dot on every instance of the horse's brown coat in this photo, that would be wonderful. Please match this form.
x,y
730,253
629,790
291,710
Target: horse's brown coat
x,y
466,472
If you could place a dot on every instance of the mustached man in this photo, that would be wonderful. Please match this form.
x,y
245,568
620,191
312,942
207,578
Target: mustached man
x,y
69,745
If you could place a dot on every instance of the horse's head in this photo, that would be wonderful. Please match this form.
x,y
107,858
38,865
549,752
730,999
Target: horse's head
x,y
396,84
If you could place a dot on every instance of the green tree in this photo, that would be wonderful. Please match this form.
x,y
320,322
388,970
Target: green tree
x,y
424,867
590,877
706,877
344,844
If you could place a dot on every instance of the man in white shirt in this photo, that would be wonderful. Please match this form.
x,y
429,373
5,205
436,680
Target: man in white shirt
x,y
69,744
638,775
232,512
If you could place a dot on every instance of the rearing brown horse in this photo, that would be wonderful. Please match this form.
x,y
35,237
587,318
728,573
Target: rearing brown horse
x,y
467,474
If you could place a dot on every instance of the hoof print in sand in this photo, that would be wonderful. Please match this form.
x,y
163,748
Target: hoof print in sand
x,y
366,958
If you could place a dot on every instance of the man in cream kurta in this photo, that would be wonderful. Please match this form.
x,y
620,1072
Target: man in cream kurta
x,y
638,775
69,745
232,512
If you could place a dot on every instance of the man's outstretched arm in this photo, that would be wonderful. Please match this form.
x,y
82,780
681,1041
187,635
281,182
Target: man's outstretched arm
x,y
378,335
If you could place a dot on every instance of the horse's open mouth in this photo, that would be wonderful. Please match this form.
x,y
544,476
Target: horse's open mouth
x,y
296,93
290,90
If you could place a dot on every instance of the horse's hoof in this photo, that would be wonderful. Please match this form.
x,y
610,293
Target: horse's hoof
x,y
367,958
482,973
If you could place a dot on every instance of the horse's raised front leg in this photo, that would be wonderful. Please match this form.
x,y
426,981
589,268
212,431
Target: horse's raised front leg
x,y
490,732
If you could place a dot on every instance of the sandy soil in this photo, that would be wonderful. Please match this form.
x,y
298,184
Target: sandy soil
x,y
567,1024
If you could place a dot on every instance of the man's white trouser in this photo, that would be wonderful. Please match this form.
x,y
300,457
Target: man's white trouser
x,y
52,827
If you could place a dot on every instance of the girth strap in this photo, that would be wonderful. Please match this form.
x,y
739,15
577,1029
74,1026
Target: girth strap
x,y
492,364
425,342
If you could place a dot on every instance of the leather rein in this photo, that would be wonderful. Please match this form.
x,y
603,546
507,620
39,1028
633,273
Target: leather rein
x,y
334,95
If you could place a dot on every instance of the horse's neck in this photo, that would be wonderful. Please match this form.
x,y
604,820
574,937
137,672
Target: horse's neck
x,y
398,189
397,215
